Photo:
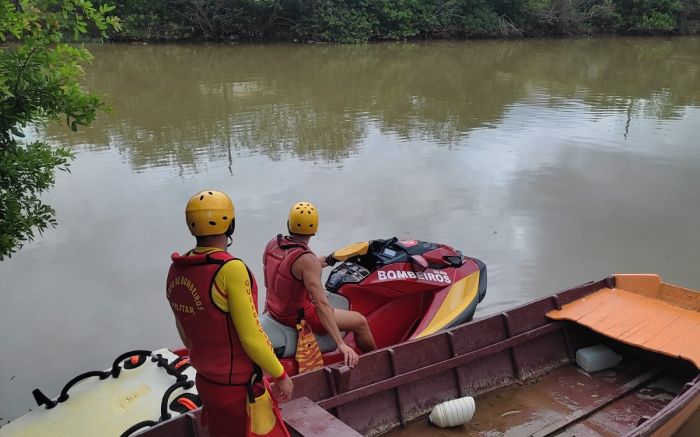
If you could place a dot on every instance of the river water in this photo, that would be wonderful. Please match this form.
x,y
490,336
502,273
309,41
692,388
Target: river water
x,y
555,162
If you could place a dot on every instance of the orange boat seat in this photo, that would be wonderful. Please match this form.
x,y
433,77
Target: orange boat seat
x,y
642,311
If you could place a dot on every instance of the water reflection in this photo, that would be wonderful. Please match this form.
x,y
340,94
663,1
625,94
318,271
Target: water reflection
x,y
186,105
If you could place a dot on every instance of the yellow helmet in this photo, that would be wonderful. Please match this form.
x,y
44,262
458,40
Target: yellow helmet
x,y
210,212
303,219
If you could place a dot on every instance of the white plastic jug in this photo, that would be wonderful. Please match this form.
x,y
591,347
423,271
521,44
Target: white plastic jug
x,y
595,358
453,413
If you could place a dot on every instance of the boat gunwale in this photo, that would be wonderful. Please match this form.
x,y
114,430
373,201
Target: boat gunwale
x,y
340,372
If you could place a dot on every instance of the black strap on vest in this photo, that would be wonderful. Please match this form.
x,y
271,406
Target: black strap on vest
x,y
255,378
290,245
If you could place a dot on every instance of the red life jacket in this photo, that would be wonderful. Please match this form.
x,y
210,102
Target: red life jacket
x,y
286,295
215,349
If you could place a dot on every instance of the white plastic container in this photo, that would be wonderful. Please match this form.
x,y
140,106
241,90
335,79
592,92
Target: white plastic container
x,y
595,358
453,413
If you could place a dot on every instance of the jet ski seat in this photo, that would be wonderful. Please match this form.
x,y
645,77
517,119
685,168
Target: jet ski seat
x,y
284,338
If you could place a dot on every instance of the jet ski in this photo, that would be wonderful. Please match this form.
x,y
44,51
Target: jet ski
x,y
406,289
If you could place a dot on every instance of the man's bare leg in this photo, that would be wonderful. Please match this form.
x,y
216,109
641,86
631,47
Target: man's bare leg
x,y
356,323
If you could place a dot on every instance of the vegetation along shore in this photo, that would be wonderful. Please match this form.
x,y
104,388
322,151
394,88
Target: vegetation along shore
x,y
351,21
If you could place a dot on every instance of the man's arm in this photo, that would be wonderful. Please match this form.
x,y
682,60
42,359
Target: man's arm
x,y
322,261
308,269
245,320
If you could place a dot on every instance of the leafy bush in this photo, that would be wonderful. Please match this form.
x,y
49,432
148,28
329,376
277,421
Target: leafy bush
x,y
367,20
604,17
39,81
338,21
649,16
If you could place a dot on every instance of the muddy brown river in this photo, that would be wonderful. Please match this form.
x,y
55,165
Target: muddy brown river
x,y
555,162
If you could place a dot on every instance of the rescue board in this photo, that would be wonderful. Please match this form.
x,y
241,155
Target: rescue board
x,y
141,389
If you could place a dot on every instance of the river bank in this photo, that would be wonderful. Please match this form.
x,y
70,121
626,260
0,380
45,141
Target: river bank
x,y
382,20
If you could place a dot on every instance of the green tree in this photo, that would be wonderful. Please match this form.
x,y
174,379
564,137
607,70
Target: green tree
x,y
649,16
40,81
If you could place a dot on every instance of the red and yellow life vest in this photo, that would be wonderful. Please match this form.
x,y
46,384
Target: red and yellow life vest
x,y
286,295
215,350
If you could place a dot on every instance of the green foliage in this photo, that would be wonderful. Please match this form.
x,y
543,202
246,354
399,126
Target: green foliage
x,y
153,20
26,172
39,81
604,17
649,16
657,21
338,21
372,20
397,19
690,17
367,20
457,19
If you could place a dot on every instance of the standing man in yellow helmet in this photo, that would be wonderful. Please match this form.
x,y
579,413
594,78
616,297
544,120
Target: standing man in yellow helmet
x,y
293,281
214,299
